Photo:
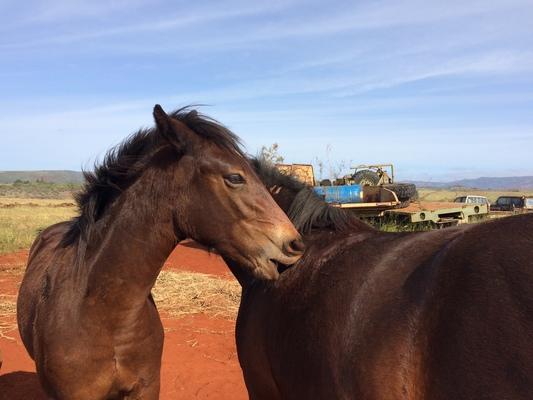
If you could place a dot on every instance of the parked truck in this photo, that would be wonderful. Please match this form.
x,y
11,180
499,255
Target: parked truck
x,y
514,204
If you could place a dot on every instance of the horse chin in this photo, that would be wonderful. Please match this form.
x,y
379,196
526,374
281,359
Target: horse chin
x,y
273,267
259,268
267,271
264,267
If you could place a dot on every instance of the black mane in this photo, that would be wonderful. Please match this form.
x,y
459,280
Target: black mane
x,y
124,163
308,210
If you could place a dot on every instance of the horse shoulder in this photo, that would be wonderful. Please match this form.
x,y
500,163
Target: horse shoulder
x,y
36,280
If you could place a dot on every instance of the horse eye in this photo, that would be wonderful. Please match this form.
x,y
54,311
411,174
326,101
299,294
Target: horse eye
x,y
234,179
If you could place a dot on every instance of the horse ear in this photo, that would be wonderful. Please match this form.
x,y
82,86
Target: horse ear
x,y
164,126
162,120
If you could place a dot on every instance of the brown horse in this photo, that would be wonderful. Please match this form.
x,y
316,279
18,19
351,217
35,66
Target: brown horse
x,y
441,315
85,312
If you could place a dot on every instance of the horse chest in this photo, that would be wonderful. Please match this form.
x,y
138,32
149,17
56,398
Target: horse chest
x,y
81,347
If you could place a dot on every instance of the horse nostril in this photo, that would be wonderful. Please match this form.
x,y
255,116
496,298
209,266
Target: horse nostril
x,y
297,246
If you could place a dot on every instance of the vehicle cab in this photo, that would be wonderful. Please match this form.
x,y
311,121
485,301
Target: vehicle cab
x,y
509,203
471,199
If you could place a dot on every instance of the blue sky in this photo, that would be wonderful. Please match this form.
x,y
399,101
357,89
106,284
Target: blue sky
x,y
443,89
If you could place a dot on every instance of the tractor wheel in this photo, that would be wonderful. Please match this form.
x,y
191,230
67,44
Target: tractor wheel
x,y
404,191
325,182
365,177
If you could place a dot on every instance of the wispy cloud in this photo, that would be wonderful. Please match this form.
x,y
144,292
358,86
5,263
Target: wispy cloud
x,y
60,10
361,16
379,15
180,20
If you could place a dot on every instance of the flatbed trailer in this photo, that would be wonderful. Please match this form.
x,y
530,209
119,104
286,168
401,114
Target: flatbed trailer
x,y
440,213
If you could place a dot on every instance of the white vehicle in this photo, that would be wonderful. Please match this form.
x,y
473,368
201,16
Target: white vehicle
x,y
470,199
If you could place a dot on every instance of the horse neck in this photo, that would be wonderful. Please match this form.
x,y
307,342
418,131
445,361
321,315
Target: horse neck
x,y
132,243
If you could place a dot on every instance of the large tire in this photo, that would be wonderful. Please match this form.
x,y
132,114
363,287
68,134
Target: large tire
x,y
365,177
404,191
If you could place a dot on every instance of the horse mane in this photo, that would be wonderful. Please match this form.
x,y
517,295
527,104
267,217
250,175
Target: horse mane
x,y
124,163
308,211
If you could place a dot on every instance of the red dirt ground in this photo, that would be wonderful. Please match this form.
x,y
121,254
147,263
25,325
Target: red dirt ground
x,y
199,355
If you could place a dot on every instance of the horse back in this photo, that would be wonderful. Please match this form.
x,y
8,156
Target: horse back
x,y
481,317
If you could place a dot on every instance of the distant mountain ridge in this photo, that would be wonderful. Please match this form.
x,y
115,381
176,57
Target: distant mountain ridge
x,y
66,176
491,183
43,176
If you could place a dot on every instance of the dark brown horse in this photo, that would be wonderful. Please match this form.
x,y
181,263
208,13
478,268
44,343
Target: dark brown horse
x,y
441,315
85,312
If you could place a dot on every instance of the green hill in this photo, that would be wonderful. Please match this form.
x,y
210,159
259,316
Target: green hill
x,y
75,177
490,183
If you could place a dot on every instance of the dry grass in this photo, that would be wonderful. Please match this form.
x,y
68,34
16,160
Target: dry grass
x,y
7,305
8,309
38,190
22,219
12,269
9,202
183,293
